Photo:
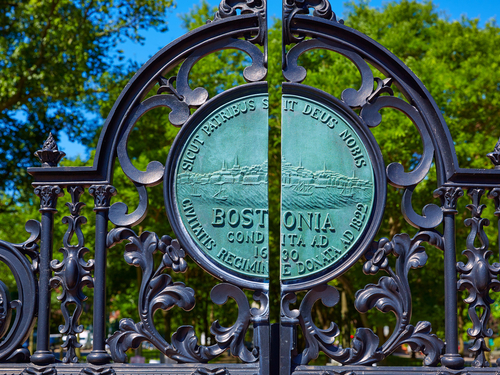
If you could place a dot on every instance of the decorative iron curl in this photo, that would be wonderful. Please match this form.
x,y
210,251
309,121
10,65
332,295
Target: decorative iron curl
x,y
370,101
179,99
432,214
322,9
395,171
157,291
230,8
296,73
14,256
118,212
393,293
184,340
390,294
478,277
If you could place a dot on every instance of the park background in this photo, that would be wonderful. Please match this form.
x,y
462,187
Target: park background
x,y
63,75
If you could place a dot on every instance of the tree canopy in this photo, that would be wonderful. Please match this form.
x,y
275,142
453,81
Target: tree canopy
x,y
457,61
53,57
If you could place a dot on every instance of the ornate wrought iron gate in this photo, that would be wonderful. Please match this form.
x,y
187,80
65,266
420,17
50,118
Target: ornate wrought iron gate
x,y
240,193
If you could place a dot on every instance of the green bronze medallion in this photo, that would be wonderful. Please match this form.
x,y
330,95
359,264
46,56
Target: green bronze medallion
x,y
327,188
221,186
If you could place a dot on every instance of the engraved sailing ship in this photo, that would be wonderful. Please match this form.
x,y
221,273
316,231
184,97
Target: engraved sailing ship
x,y
239,185
305,189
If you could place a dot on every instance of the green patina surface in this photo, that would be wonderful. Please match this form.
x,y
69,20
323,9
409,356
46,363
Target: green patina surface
x,y
222,182
327,187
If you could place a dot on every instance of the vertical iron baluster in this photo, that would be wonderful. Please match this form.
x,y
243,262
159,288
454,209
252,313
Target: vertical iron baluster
x,y
449,197
260,319
289,321
102,196
48,201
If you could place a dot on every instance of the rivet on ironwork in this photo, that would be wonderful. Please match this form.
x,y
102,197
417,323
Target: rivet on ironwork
x,y
50,155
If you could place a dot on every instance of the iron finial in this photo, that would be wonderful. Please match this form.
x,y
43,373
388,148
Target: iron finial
x,y
50,155
495,155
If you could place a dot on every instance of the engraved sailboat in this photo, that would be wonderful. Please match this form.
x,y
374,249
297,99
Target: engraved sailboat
x,y
303,189
221,195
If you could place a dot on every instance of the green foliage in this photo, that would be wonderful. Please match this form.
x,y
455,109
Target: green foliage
x,y
455,60
53,54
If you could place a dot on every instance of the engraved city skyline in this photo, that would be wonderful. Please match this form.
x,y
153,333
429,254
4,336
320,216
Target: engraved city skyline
x,y
239,185
246,185
302,188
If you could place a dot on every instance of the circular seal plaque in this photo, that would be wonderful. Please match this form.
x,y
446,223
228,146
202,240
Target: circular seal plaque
x,y
218,186
329,186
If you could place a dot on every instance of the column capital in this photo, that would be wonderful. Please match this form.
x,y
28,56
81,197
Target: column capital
x,y
449,197
102,196
48,196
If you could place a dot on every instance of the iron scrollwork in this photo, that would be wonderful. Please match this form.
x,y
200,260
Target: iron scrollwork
x,y
14,334
157,288
185,342
478,277
391,294
179,99
230,8
370,101
73,274
157,291
322,9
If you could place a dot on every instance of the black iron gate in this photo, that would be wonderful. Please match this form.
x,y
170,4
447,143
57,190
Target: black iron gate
x,y
237,195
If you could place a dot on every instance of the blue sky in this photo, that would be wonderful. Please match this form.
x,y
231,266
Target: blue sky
x,y
483,9
454,9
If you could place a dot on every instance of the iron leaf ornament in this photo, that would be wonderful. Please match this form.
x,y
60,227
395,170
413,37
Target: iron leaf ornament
x,y
157,291
391,294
